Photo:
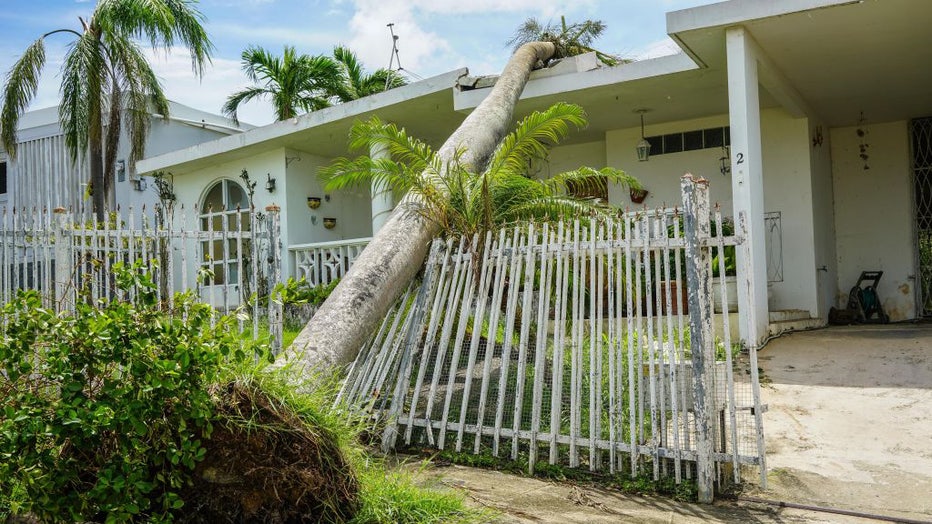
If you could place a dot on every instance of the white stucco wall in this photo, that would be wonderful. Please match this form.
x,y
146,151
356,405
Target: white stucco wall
x,y
164,136
823,216
874,214
568,158
350,207
788,188
660,175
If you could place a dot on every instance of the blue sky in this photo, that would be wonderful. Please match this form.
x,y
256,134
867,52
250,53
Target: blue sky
x,y
434,36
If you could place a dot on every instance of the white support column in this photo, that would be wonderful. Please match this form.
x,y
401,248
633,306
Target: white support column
x,y
747,182
383,201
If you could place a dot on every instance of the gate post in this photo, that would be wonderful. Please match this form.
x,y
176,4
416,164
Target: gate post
x,y
64,265
275,277
698,278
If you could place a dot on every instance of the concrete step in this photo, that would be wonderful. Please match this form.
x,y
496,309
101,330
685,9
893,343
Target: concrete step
x,y
785,315
784,326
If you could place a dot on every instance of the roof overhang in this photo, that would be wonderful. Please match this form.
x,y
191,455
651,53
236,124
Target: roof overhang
x,y
843,57
423,106
839,58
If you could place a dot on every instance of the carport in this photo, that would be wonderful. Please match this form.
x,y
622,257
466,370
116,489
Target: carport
x,y
850,418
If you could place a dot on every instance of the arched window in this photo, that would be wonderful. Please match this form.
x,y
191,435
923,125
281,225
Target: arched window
x,y
224,214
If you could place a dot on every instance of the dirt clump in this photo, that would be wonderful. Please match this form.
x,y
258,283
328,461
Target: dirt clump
x,y
264,463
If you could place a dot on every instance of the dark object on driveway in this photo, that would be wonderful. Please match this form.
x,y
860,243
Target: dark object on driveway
x,y
864,304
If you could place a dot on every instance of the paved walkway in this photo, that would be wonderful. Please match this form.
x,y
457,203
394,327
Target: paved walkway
x,y
850,418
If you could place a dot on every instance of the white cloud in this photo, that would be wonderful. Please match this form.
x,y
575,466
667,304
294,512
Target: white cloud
x,y
426,50
221,79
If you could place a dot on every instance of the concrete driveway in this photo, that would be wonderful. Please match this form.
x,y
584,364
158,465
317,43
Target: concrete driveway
x,y
850,418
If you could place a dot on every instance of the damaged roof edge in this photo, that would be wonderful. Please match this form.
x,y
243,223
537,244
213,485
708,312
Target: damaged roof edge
x,y
543,84
306,121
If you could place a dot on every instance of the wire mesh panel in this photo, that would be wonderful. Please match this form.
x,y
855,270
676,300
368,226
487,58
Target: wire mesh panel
x,y
567,343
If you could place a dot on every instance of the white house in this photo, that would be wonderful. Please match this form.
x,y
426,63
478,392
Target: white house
x,y
810,116
42,176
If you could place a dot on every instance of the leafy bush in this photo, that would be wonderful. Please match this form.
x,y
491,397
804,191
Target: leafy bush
x,y
300,292
106,411
123,412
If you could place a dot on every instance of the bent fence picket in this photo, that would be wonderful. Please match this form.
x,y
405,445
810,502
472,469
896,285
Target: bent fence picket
x,y
575,344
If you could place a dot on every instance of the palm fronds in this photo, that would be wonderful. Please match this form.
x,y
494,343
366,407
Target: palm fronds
x,y
21,84
467,203
106,74
568,39
295,83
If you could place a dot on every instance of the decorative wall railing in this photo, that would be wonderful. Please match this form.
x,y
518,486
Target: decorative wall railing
x,y
572,343
323,262
68,258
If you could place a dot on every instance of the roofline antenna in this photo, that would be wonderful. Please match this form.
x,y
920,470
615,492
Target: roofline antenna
x,y
394,56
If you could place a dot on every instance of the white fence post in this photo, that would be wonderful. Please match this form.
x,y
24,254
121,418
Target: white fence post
x,y
64,264
275,276
698,275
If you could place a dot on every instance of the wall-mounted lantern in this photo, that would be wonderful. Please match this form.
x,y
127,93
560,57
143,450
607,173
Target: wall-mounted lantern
x,y
643,146
330,222
270,183
313,202
725,161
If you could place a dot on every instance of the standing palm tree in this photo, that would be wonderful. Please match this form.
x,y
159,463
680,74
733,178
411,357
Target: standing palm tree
x,y
104,74
463,202
568,40
356,83
294,83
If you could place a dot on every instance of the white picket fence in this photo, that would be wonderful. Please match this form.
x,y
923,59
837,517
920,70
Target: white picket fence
x,y
571,343
224,258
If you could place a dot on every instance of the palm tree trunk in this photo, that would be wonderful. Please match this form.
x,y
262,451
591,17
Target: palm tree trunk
x,y
95,147
335,334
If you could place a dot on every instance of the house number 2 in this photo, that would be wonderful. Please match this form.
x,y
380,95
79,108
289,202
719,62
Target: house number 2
x,y
740,158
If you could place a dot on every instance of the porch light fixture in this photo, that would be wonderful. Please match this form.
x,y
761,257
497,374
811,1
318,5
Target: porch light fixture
x,y
313,202
330,223
643,146
725,161
270,183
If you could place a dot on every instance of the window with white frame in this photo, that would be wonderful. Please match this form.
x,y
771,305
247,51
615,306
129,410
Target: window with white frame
x,y
224,215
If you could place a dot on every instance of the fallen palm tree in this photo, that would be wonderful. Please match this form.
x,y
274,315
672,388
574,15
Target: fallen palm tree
x,y
395,255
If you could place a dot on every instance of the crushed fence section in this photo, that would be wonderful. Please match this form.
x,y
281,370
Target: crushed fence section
x,y
226,258
570,343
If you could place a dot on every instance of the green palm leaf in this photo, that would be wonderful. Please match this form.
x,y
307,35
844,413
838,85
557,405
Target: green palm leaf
x,y
466,203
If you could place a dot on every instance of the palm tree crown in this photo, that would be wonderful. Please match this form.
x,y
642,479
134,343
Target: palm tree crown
x,y
465,202
356,83
105,74
294,83
568,39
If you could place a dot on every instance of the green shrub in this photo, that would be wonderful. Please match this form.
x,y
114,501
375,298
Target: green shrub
x,y
300,292
106,410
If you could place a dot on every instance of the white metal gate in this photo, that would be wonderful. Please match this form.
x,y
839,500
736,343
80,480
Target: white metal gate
x,y
574,343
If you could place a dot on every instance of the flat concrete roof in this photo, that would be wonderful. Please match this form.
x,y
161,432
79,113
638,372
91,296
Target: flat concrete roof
x,y
322,132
